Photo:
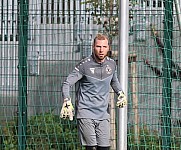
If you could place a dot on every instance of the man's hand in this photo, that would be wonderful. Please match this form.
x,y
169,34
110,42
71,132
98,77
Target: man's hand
x,y
67,110
122,101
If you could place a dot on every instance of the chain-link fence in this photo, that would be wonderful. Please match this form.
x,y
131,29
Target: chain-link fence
x,y
40,43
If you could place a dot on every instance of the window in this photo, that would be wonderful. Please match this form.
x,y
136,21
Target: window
x,y
148,3
159,3
154,3
57,11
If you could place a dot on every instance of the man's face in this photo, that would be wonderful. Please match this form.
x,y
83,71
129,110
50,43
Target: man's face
x,y
100,49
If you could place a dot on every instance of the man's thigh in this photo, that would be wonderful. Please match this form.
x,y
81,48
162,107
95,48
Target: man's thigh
x,y
94,132
103,133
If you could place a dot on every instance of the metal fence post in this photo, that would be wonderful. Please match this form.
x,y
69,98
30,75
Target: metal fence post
x,y
167,78
22,73
123,64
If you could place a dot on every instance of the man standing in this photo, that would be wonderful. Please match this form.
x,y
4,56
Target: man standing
x,y
95,75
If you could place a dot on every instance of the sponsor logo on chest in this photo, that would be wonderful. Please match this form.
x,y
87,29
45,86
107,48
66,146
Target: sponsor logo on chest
x,y
107,69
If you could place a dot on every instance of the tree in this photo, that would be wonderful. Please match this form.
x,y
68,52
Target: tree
x,y
106,14
176,69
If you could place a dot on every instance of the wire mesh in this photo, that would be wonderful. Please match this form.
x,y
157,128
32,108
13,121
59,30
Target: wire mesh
x,y
60,34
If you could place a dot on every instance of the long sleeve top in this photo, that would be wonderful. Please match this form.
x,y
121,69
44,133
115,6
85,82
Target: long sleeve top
x,y
92,96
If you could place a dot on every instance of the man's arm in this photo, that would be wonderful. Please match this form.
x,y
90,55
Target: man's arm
x,y
115,84
121,100
72,78
67,110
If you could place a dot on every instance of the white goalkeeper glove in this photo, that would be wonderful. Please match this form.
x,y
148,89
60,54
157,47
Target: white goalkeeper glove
x,y
122,101
67,110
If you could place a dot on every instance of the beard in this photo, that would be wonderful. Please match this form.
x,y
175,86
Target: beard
x,y
99,58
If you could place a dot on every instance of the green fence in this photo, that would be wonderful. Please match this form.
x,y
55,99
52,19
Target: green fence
x,y
40,43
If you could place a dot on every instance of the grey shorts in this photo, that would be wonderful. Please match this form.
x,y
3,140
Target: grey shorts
x,y
94,132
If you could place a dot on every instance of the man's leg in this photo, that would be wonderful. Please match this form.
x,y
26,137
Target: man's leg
x,y
90,148
102,148
87,135
103,134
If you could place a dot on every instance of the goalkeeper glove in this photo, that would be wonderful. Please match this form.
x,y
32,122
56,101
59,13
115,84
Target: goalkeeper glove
x,y
122,101
67,109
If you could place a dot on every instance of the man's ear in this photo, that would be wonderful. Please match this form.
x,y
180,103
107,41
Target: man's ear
x,y
109,53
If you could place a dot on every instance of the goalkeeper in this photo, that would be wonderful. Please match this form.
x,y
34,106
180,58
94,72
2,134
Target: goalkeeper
x,y
94,75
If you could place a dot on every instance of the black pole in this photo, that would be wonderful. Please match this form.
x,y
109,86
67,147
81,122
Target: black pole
x,y
167,76
22,73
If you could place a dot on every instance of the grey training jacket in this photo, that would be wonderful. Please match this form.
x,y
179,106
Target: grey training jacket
x,y
92,95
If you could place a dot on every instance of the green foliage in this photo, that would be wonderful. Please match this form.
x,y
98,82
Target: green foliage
x,y
176,135
47,131
8,135
106,14
44,131
150,139
147,139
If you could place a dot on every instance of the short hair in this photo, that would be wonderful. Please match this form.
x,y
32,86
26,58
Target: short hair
x,y
100,36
